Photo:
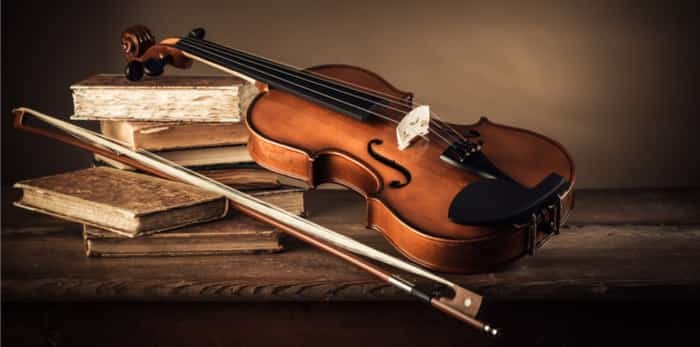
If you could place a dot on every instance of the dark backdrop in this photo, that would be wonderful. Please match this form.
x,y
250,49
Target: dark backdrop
x,y
615,82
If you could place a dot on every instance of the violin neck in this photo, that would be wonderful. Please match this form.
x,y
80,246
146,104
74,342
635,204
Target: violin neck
x,y
333,94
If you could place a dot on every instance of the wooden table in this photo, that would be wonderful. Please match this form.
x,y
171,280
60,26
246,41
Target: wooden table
x,y
625,269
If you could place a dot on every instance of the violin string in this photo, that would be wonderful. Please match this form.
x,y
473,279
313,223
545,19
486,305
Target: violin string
x,y
382,95
443,126
436,119
220,48
379,115
194,47
289,66
231,51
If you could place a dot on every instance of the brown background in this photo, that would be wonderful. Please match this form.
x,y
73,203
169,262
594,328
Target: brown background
x,y
615,82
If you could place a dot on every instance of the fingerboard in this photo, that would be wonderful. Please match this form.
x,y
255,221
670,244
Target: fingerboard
x,y
333,94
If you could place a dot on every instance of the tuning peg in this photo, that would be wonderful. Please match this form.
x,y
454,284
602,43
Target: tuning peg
x,y
153,67
197,33
134,70
146,56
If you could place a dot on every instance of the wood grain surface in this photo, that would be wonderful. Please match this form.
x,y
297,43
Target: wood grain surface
x,y
43,259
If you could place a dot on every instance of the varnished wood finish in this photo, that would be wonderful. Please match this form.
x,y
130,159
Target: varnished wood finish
x,y
298,138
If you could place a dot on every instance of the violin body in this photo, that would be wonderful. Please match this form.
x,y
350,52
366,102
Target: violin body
x,y
453,198
408,192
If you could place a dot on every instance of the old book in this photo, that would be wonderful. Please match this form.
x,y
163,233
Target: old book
x,y
290,199
165,98
234,234
244,176
250,177
160,136
206,157
124,202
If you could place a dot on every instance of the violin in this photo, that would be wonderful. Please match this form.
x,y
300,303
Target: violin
x,y
452,198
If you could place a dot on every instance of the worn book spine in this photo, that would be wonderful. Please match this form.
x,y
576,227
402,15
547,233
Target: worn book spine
x,y
161,136
244,178
205,158
166,98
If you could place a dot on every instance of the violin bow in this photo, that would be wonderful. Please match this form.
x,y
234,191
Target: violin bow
x,y
452,299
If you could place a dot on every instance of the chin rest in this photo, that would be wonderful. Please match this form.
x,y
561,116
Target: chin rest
x,y
498,201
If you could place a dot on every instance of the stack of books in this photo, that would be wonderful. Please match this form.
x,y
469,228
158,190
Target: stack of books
x,y
196,122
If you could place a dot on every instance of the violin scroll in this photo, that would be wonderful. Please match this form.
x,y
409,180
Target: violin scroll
x,y
144,55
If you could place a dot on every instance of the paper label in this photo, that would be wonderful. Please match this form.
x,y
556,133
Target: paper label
x,y
415,123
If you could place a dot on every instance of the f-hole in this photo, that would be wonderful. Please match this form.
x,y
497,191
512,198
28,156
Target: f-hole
x,y
390,163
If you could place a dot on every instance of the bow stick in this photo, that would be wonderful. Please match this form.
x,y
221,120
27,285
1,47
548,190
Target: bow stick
x,y
453,299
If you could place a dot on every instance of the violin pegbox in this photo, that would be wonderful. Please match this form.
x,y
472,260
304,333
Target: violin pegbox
x,y
144,55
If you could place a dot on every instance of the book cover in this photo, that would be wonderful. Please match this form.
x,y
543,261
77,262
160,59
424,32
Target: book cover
x,y
124,202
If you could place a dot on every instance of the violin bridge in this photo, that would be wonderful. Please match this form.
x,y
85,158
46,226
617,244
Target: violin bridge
x,y
415,123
